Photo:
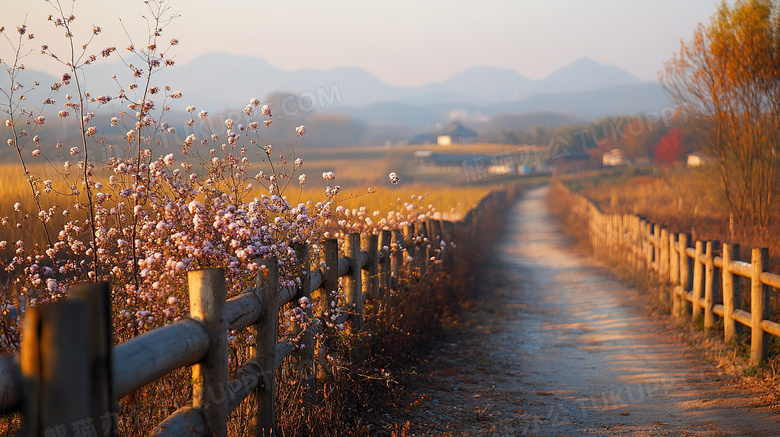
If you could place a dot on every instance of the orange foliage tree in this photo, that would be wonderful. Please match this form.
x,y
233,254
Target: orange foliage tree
x,y
726,80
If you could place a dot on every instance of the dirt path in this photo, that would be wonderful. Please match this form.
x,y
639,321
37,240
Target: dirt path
x,y
562,349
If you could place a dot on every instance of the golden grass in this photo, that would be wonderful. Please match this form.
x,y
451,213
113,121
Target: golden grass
x,y
682,200
356,169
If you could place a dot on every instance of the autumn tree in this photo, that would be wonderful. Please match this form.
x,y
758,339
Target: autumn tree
x,y
670,148
726,82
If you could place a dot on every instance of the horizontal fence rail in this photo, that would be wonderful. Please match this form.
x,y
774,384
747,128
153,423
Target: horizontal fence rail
x,y
703,280
71,339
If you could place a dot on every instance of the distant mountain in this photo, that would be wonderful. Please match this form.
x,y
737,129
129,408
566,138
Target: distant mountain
x,y
583,105
480,85
618,100
218,82
585,75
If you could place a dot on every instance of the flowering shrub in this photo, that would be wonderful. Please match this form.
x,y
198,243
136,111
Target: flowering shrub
x,y
141,219
120,207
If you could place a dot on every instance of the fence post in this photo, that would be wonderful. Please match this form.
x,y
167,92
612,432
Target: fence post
x,y
732,293
674,260
352,281
369,243
638,247
759,306
383,269
210,376
685,275
698,274
647,244
329,253
662,240
303,359
55,369
420,247
657,247
97,300
436,239
663,268
264,352
397,258
710,288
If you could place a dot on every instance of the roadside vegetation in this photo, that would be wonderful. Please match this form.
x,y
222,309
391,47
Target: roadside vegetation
x,y
130,200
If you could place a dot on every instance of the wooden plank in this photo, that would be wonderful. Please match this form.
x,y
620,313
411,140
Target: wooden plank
x,y
152,355
718,310
343,268
210,375
282,350
743,317
187,421
246,380
244,310
770,279
771,327
717,261
741,268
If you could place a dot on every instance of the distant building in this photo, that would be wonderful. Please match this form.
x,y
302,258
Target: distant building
x,y
456,133
615,158
572,163
426,138
444,140
501,169
697,159
424,158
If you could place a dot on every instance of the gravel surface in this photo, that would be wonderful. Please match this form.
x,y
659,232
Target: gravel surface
x,y
559,347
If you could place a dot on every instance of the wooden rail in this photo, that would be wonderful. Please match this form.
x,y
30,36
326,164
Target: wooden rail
x,y
68,375
698,283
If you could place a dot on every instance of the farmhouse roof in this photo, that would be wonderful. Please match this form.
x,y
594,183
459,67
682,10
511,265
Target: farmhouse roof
x,y
458,130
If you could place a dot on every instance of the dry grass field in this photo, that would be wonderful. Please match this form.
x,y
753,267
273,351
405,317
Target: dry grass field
x,y
362,173
681,199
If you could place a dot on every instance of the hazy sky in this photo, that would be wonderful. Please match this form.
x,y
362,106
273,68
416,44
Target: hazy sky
x,y
402,42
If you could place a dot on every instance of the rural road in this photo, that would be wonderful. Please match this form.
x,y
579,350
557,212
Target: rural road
x,y
565,349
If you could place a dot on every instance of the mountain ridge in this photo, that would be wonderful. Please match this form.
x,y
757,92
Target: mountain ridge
x,y
222,81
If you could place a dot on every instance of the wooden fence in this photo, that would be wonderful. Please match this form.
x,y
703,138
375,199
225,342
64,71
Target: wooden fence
x,y
702,279
68,375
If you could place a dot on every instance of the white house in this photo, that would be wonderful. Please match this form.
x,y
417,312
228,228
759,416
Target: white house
x,y
697,159
615,158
